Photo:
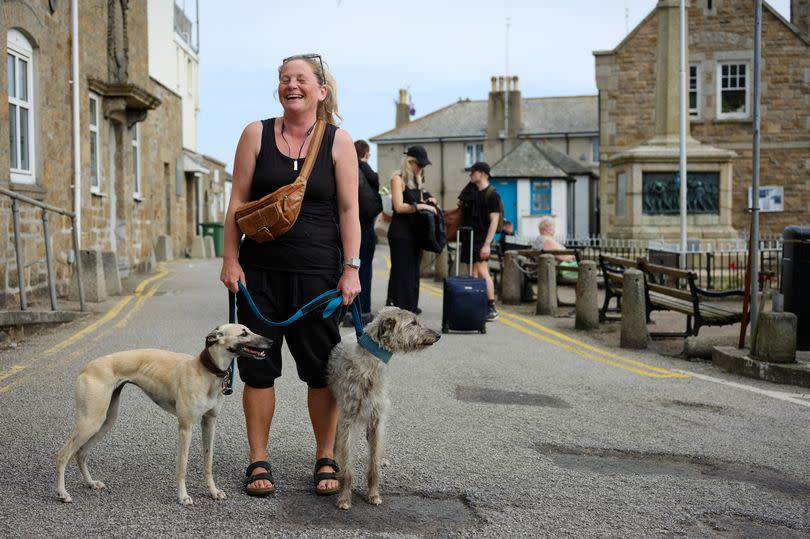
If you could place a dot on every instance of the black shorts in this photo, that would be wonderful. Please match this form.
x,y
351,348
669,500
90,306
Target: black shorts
x,y
464,252
277,295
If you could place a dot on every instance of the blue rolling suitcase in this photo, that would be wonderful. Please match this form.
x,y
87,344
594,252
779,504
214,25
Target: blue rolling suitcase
x,y
464,307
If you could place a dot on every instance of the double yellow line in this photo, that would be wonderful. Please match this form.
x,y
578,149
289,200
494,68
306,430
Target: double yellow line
x,y
570,344
86,332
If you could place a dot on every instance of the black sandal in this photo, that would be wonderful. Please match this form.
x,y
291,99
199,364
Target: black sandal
x,y
268,476
318,477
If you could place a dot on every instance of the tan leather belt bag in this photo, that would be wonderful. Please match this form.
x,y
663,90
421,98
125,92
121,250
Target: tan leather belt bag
x,y
273,215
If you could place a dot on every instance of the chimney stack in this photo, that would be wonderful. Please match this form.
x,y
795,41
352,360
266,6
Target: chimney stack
x,y
800,16
496,118
403,109
515,108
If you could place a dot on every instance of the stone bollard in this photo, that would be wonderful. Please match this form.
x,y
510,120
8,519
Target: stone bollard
x,y
92,276
587,305
440,266
208,241
112,279
546,285
634,333
776,338
511,279
197,247
164,249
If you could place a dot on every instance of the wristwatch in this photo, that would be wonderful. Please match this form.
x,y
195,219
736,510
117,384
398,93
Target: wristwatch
x,y
352,262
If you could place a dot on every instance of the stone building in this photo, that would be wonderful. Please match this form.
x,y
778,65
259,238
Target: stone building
x,y
489,130
130,183
638,113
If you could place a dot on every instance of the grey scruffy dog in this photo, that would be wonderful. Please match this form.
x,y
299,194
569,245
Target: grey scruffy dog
x,y
357,380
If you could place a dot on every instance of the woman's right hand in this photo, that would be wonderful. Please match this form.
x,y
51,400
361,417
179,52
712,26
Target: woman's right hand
x,y
427,207
232,274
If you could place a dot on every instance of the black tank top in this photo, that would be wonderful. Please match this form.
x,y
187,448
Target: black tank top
x,y
312,245
403,225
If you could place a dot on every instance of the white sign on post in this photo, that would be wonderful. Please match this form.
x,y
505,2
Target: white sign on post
x,y
771,198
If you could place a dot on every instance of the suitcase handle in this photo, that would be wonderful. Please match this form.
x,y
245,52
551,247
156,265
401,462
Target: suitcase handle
x,y
458,248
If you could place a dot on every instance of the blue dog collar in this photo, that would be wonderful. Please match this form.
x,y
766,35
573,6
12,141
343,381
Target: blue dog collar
x,y
367,342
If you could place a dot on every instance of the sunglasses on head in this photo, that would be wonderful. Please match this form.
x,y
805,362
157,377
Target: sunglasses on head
x,y
310,56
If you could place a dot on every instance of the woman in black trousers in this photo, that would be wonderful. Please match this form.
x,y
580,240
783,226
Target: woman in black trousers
x,y
407,198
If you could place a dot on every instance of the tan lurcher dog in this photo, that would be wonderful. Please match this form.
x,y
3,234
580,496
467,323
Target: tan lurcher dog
x,y
356,378
188,387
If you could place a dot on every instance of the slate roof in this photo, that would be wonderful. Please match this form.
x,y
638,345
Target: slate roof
x,y
466,119
533,159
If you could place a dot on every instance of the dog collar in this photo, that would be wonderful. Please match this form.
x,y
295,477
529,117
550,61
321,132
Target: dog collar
x,y
208,362
375,349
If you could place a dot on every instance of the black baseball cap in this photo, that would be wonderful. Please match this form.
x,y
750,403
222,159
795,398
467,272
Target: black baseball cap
x,y
480,166
420,154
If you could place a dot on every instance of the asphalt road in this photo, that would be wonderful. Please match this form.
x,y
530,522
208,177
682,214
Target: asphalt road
x,y
527,431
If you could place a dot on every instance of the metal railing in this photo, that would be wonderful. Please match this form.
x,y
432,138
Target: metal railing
x,y
15,210
720,266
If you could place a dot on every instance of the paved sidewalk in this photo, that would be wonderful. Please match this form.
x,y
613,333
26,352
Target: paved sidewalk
x,y
700,348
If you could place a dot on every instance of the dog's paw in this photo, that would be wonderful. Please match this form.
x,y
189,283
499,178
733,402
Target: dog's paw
x,y
374,499
65,498
218,494
96,485
185,500
344,502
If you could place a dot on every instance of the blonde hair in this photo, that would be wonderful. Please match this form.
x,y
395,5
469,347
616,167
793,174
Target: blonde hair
x,y
328,108
409,178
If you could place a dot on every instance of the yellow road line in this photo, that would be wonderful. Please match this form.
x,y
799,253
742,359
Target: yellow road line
x,y
576,346
85,332
138,305
588,355
11,372
594,349
112,313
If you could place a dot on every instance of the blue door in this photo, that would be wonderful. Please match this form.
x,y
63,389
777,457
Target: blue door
x,y
507,189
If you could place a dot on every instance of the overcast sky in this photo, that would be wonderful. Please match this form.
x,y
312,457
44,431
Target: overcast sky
x,y
441,50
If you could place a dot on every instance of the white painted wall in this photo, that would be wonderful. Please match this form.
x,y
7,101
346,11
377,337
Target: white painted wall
x,y
527,223
581,210
174,64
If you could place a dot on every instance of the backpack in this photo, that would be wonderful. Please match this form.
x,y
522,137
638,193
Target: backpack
x,y
491,190
370,200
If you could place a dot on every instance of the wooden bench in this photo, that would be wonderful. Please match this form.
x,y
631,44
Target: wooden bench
x,y
668,289
613,269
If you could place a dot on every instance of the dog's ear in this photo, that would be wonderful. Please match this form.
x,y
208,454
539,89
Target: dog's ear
x,y
386,324
212,337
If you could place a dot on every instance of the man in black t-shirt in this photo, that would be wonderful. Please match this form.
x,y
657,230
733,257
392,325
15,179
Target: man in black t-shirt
x,y
482,212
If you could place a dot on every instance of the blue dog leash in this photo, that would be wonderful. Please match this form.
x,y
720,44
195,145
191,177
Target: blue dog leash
x,y
328,302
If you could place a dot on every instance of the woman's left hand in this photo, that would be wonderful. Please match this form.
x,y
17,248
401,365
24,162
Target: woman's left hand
x,y
349,284
432,200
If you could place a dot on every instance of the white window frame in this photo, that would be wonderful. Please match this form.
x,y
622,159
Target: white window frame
x,y
595,150
733,115
694,113
93,124
473,152
19,48
136,162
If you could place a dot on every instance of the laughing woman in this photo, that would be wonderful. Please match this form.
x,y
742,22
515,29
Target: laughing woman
x,y
318,253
